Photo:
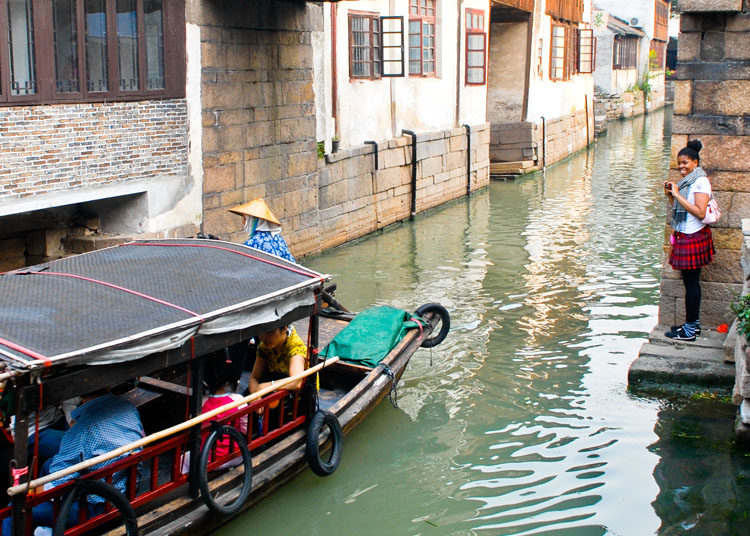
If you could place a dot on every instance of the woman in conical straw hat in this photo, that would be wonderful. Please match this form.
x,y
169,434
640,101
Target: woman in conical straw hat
x,y
263,229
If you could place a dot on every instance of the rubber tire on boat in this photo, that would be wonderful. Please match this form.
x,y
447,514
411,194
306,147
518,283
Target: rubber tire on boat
x,y
247,482
107,492
445,322
312,450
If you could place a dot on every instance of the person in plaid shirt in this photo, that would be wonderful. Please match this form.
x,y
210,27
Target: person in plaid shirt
x,y
692,244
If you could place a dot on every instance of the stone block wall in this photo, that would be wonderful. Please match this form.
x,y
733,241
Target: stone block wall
x,y
514,142
258,112
741,394
355,199
712,103
566,135
51,148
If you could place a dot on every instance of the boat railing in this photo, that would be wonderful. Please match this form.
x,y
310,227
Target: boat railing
x,y
160,468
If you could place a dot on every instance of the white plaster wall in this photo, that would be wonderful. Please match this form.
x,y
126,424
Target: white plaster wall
x,y
163,212
322,82
644,11
604,48
554,99
367,108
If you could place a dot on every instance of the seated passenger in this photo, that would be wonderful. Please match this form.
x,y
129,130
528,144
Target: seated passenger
x,y
54,421
281,354
221,382
104,422
263,229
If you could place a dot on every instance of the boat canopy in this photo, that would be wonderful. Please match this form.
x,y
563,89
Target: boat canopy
x,y
139,298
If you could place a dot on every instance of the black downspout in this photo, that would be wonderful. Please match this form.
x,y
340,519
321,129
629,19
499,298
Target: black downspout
x,y
375,144
544,144
413,172
468,159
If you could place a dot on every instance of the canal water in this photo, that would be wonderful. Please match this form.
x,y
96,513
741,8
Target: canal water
x,y
521,422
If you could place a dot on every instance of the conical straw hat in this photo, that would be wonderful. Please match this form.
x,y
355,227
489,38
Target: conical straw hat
x,y
257,208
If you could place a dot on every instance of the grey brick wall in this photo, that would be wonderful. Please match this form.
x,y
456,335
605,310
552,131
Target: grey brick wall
x,y
61,147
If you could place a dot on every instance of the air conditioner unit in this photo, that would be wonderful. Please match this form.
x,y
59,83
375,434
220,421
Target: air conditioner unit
x,y
634,22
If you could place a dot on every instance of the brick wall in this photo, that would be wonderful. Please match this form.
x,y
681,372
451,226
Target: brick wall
x,y
61,147
712,102
354,199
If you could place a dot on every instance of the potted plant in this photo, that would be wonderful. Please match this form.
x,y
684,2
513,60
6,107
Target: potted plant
x,y
334,144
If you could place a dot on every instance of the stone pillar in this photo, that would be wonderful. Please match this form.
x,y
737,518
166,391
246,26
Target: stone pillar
x,y
712,103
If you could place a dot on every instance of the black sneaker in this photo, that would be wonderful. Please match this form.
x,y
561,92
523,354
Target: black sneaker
x,y
675,328
679,334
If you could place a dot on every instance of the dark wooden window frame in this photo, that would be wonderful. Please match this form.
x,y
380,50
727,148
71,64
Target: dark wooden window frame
x,y
173,31
625,52
424,12
473,30
660,48
540,59
375,46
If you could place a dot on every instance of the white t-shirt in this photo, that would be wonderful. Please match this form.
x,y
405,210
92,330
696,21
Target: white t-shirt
x,y
692,224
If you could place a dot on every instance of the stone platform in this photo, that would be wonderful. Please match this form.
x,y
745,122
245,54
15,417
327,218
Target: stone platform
x,y
684,366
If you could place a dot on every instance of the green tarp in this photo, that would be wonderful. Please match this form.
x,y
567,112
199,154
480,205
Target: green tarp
x,y
371,335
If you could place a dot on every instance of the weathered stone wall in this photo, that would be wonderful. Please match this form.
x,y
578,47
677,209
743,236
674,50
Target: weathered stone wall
x,y
258,112
712,102
62,147
741,351
566,135
355,199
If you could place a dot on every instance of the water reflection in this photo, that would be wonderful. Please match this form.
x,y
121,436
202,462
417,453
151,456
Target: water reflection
x,y
523,423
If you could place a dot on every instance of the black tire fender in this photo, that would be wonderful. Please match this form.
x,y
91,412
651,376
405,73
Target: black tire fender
x,y
312,450
101,489
445,322
217,433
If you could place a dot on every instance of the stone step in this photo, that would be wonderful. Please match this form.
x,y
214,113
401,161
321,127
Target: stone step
x,y
681,366
707,338
496,168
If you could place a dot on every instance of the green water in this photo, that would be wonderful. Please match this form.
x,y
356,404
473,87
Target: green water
x,y
523,424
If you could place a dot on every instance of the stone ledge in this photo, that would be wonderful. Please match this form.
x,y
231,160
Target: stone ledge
x,y
710,6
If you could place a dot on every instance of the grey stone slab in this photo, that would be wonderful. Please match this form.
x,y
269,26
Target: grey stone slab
x,y
711,124
681,367
713,70
691,6
708,339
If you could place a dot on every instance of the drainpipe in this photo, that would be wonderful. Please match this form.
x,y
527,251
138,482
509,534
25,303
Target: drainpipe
x,y
413,171
544,144
468,159
375,145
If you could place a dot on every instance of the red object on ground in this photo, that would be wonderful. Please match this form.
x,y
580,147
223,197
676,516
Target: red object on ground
x,y
722,328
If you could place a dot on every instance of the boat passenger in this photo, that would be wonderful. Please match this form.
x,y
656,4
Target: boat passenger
x,y
221,381
54,421
104,422
263,229
281,354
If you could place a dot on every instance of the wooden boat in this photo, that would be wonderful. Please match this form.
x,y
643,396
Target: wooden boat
x,y
143,317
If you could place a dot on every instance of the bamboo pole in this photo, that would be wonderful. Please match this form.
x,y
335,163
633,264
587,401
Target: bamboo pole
x,y
23,488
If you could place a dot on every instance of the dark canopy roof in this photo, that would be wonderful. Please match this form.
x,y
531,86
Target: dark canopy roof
x,y
139,298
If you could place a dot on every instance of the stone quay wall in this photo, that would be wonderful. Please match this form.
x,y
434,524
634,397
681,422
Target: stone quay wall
x,y
355,199
712,103
566,135
258,113
740,349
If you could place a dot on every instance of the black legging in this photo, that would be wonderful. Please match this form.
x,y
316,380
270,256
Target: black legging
x,y
691,280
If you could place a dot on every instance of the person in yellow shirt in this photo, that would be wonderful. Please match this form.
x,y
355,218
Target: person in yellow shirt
x,y
281,354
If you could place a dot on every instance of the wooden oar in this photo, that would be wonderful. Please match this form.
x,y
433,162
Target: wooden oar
x,y
279,384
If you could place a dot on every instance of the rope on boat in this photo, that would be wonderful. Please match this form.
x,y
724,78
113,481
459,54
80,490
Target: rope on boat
x,y
393,393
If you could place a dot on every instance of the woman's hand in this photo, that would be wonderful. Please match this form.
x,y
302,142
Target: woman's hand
x,y
669,188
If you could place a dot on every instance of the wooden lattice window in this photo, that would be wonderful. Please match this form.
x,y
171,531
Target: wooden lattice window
x,y
476,48
557,53
625,52
91,50
422,37
586,51
364,45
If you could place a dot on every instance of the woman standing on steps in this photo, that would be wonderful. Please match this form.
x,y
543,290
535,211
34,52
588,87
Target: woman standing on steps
x,y
692,244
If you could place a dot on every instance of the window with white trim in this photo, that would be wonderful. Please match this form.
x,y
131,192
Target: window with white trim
x,y
476,48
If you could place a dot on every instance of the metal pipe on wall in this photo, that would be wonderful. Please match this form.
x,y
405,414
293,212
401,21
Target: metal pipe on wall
x,y
375,144
413,171
468,159
544,144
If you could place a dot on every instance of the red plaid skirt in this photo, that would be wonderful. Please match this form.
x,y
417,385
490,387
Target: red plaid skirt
x,y
690,251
